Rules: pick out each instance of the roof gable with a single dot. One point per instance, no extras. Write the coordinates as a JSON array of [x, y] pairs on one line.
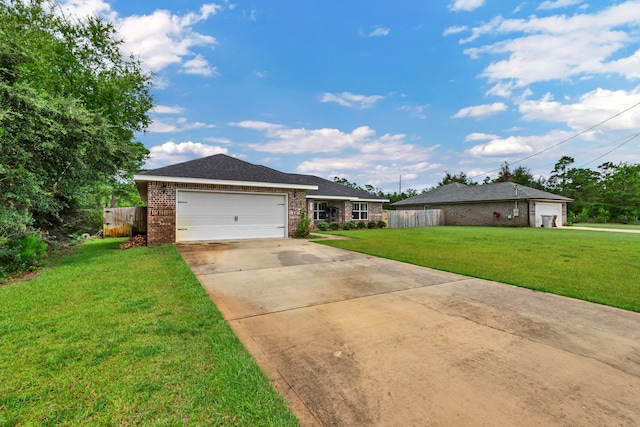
[[223, 168], [461, 193]]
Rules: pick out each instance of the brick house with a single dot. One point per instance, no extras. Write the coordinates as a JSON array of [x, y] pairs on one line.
[[502, 204], [221, 197]]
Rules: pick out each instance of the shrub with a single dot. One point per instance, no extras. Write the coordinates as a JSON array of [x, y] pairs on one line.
[[361, 225], [334, 225], [322, 225], [382, 224], [25, 252], [349, 225], [372, 224], [304, 225]]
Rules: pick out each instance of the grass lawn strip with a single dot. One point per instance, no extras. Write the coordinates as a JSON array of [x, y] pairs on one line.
[[588, 265], [608, 225], [111, 337]]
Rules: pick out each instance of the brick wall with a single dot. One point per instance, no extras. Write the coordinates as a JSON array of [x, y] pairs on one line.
[[161, 207], [482, 214], [375, 212]]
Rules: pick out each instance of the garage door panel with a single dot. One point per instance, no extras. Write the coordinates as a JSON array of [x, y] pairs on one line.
[[220, 216]]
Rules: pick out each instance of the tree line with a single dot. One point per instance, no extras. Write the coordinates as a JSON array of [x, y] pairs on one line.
[[609, 193], [70, 105]]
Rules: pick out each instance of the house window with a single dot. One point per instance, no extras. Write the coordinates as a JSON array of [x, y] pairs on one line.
[[359, 211], [319, 210]]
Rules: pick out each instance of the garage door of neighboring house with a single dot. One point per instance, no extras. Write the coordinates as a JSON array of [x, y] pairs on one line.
[[202, 215], [544, 208]]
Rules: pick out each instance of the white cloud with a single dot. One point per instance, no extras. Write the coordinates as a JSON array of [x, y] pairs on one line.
[[502, 89], [415, 111], [347, 99], [478, 136], [257, 125], [465, 5], [170, 152], [86, 8], [559, 46], [176, 125], [558, 4], [200, 66], [261, 74], [480, 111], [297, 141], [217, 140], [166, 109], [379, 32], [454, 30], [502, 147], [594, 107], [516, 145], [159, 39]]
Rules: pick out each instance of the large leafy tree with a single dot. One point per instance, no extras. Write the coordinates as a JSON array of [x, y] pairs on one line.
[[70, 105]]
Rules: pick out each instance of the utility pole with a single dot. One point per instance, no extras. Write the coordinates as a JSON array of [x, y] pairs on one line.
[[400, 185]]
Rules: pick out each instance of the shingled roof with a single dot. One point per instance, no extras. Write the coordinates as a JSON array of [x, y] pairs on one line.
[[461, 193], [221, 167], [330, 189]]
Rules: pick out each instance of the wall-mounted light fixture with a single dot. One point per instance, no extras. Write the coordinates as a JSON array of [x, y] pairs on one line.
[[164, 187], [295, 194]]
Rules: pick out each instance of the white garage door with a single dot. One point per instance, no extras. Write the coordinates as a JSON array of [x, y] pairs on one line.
[[220, 216], [549, 209]]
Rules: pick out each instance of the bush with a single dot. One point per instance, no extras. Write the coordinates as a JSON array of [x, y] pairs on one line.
[[322, 225], [349, 225], [334, 225], [20, 253], [382, 224], [361, 225], [372, 224], [304, 225]]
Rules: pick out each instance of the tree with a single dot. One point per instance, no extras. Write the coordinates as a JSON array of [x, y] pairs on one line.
[[461, 178], [559, 178], [505, 173], [70, 104], [620, 190]]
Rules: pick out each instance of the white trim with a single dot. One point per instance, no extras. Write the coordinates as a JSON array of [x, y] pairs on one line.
[[350, 199], [181, 180]]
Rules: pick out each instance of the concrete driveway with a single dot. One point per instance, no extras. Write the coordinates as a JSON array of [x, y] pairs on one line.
[[355, 340]]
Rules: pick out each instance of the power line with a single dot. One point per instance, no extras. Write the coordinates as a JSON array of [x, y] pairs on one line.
[[631, 138], [564, 140]]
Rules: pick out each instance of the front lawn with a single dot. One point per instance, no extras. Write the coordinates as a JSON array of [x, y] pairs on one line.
[[614, 225], [589, 265], [112, 337]]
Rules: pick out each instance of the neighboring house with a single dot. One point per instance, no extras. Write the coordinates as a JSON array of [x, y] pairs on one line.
[[501, 204], [221, 197]]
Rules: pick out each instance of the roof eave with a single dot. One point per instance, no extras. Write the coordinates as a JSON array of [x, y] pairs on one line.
[[351, 199], [182, 180]]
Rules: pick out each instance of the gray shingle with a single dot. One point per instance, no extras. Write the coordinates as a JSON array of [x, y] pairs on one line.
[[460, 193], [223, 167], [226, 168]]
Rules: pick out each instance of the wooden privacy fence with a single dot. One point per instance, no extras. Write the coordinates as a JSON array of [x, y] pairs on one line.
[[414, 219], [124, 222]]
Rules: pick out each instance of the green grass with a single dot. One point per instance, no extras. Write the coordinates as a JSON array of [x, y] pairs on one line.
[[589, 265], [608, 225], [110, 337]]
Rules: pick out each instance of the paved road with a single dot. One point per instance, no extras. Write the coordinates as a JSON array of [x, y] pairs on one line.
[[355, 340]]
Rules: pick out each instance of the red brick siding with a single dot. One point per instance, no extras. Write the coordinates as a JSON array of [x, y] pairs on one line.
[[161, 207]]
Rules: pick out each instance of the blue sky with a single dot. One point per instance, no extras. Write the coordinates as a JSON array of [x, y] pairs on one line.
[[375, 90]]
